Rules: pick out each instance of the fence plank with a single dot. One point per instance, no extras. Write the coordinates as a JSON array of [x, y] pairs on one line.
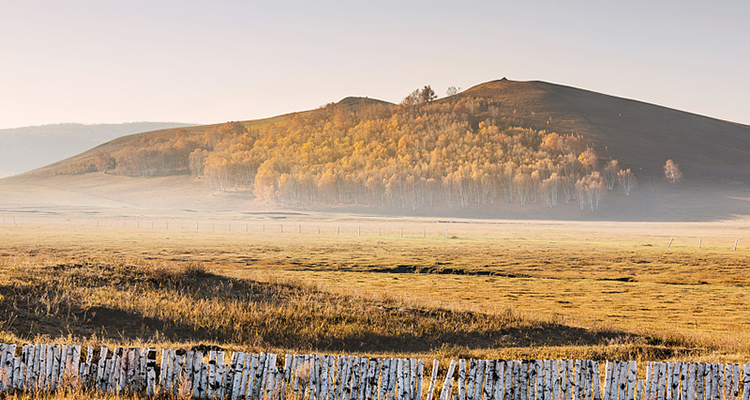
[[548, 379], [100, 368], [470, 377], [661, 390], [536, 379], [39, 367], [41, 373], [150, 371], [700, 379], [564, 380], [580, 389], [653, 390], [623, 380], [197, 370], [204, 381], [445, 394], [393, 377], [222, 370], [640, 395], [692, 381], [462, 379], [420, 379], [17, 372], [555, 379], [736, 379], [356, 372], [719, 377], [499, 379], [632, 378], [527, 375], [244, 375], [674, 381], [684, 381], [479, 379], [370, 379], [608, 370], [508, 382]]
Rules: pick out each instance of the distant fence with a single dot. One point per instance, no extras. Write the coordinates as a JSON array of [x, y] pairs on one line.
[[435, 230], [207, 375]]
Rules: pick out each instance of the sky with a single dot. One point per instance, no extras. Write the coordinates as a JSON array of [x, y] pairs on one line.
[[214, 61]]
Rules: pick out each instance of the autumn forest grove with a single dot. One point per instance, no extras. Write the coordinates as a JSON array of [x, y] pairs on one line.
[[420, 153]]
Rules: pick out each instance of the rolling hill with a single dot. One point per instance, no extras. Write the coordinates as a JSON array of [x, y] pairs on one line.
[[357, 146], [25, 149]]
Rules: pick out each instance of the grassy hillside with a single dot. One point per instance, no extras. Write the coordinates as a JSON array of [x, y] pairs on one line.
[[28, 148], [641, 135]]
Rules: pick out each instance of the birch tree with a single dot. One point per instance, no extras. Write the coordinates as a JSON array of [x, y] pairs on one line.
[[627, 180]]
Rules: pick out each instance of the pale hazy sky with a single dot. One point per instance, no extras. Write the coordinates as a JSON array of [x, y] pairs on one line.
[[213, 61]]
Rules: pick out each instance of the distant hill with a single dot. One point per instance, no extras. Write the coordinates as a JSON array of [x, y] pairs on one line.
[[499, 149], [28, 148]]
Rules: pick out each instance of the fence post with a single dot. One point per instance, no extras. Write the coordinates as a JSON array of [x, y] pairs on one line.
[[670, 243], [402, 231], [281, 228], [699, 242], [735, 243]]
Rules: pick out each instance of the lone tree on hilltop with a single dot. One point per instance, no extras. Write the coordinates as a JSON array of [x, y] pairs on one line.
[[425, 95], [428, 94], [672, 171]]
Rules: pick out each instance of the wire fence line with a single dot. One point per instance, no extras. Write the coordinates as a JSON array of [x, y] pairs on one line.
[[439, 229], [205, 373]]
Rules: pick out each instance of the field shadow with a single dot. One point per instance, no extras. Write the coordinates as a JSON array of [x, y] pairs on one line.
[[272, 314]]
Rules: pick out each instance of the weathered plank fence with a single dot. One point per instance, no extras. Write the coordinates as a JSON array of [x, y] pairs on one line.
[[211, 375]]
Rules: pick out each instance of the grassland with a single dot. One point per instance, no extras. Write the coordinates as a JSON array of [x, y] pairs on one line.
[[492, 288]]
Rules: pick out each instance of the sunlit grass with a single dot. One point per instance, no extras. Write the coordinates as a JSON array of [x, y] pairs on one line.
[[513, 291]]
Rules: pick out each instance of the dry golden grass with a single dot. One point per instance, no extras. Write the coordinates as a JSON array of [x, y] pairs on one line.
[[508, 290]]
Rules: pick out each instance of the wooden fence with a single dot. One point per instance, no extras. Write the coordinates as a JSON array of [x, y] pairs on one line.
[[207, 375]]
